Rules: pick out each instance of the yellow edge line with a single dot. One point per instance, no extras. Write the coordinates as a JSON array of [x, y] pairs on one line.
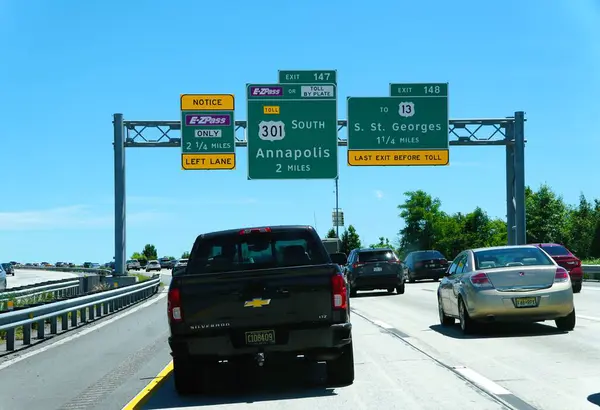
[[141, 397]]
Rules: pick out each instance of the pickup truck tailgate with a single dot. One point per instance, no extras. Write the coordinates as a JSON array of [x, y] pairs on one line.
[[267, 297]]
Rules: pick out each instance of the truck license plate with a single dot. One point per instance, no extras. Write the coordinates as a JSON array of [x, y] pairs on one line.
[[260, 337]]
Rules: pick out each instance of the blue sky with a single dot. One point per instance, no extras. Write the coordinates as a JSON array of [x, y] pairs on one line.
[[68, 66]]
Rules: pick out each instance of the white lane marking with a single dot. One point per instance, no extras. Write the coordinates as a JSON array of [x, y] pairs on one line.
[[592, 318], [586, 288], [382, 324], [481, 381], [84, 332]]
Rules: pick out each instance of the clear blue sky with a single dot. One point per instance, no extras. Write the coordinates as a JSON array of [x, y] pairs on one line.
[[68, 66]]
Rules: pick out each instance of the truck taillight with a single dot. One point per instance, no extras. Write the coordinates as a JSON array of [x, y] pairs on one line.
[[561, 275], [340, 293], [174, 306]]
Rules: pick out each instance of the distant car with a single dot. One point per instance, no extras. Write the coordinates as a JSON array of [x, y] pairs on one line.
[[505, 283], [180, 262], [430, 264], [9, 269], [166, 263], [153, 265], [374, 268], [2, 278], [87, 265], [567, 260], [133, 264]]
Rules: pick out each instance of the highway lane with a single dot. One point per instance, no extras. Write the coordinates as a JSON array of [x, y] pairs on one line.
[[25, 277], [389, 375], [103, 366], [99, 366], [546, 368]]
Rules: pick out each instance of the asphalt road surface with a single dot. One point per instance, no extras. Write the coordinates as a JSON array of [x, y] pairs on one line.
[[29, 277], [403, 360]]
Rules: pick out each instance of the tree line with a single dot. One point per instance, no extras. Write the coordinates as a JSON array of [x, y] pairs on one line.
[[549, 219], [150, 253]]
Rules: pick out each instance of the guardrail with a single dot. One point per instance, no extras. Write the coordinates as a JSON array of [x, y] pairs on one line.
[[72, 312], [52, 290], [96, 271], [591, 272]]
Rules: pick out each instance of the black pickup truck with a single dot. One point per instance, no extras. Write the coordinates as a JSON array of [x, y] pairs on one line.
[[259, 294]]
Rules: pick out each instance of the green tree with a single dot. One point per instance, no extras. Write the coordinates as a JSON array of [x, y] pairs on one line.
[[451, 240], [581, 228], [350, 240], [498, 232], [150, 252], [139, 257], [546, 216], [383, 243], [331, 234], [422, 215], [185, 255]]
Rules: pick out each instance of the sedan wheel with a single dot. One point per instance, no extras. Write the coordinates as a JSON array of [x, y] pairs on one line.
[[444, 320], [466, 323]]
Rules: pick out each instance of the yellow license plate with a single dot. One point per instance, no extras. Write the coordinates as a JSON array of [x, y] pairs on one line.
[[525, 302], [260, 337]]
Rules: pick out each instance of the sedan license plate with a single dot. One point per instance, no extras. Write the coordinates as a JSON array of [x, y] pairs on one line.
[[525, 302], [260, 337], [431, 265], [377, 269]]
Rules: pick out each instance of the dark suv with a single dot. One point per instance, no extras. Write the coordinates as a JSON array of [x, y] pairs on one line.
[[374, 268], [8, 267], [428, 264]]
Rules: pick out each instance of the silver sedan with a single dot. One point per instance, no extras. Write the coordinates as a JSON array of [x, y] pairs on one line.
[[503, 284]]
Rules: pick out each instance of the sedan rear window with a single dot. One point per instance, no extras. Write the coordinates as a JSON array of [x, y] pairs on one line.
[[376, 256], [556, 250], [425, 255], [507, 257]]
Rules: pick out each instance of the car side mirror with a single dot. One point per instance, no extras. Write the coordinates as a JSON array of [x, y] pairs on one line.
[[447, 273], [339, 257]]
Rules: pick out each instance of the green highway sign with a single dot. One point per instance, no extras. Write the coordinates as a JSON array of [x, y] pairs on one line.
[[292, 131], [411, 129], [207, 131], [308, 76], [419, 90]]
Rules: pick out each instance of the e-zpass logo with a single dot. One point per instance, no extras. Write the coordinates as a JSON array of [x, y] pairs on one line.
[[210, 120], [267, 91]]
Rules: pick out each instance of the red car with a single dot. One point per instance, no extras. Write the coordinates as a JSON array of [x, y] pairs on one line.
[[567, 260]]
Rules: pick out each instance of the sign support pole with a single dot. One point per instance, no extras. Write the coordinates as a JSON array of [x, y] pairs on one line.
[[120, 209]]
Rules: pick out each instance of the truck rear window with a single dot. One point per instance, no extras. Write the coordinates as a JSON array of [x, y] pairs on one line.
[[233, 252]]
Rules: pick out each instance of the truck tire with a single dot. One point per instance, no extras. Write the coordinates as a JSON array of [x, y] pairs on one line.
[[340, 372], [184, 377]]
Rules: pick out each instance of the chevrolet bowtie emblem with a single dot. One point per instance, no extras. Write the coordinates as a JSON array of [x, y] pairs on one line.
[[257, 303]]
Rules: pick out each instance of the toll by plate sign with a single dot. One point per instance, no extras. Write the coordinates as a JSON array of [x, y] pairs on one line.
[[410, 127], [207, 131], [292, 131]]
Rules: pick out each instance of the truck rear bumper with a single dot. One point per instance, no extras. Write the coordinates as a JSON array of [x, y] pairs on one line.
[[288, 341]]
